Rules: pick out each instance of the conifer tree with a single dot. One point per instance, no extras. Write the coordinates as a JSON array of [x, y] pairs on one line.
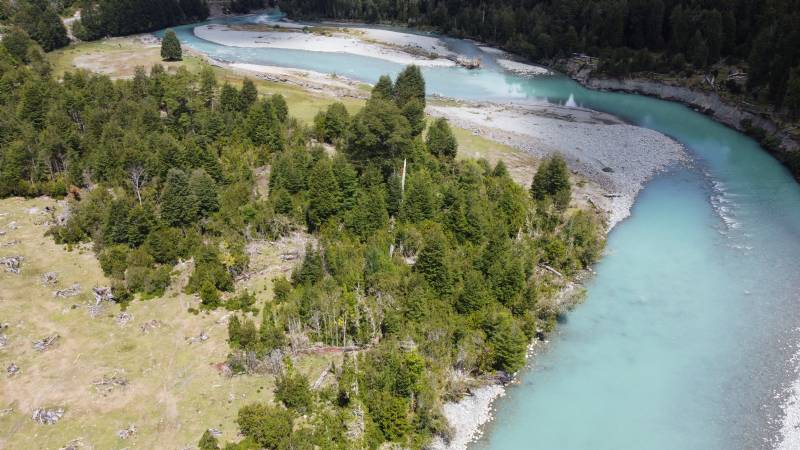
[[208, 442], [248, 94], [552, 181], [414, 112], [441, 141], [409, 85], [324, 195], [509, 344], [204, 189], [431, 263], [171, 47], [311, 270], [178, 204], [280, 107], [208, 85], [384, 88], [229, 99]]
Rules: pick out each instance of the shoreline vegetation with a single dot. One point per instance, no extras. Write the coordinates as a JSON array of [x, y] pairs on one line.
[[504, 128], [486, 394], [231, 167]]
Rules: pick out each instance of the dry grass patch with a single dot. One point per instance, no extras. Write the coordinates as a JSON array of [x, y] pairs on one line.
[[172, 392]]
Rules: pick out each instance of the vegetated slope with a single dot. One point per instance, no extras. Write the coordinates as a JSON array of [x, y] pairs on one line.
[[430, 271]]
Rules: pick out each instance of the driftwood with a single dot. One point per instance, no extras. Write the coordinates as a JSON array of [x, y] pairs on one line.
[[44, 416], [71, 291], [49, 278], [127, 432], [110, 382], [102, 294], [202, 337], [551, 270], [321, 379], [147, 327], [123, 318], [45, 343], [74, 444], [12, 263]]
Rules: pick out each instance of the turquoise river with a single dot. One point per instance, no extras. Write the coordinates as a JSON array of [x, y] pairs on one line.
[[687, 336]]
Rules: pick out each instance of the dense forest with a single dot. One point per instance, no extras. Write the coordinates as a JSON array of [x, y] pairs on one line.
[[104, 18], [630, 35], [427, 265]]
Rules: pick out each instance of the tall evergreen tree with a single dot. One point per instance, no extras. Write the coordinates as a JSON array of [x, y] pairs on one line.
[[552, 181], [324, 195], [441, 141], [178, 204], [409, 85], [171, 47], [248, 94], [204, 190]]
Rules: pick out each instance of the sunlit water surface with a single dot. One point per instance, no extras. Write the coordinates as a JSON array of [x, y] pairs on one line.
[[684, 337]]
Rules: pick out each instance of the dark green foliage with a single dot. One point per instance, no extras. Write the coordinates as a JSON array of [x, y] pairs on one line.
[[208, 442], [629, 35], [441, 141], [113, 260], [792, 101], [40, 21], [552, 182], [384, 88], [409, 86], [229, 99], [119, 18], [204, 189], [432, 263], [171, 47], [178, 203], [332, 125], [311, 271], [209, 296], [293, 391], [269, 427], [248, 95], [380, 132], [18, 44], [509, 343], [324, 194]]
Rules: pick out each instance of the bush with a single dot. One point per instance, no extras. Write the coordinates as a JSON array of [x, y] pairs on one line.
[[293, 391], [113, 260], [268, 426]]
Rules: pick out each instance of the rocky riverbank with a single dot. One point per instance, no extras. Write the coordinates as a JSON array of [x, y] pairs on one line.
[[741, 117]]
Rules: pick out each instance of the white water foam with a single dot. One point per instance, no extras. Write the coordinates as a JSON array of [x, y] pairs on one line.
[[723, 205], [790, 425]]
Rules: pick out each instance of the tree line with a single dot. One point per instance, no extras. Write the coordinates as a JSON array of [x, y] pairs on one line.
[[105, 18], [630, 35]]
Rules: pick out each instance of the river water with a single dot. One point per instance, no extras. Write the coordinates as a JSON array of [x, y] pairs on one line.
[[687, 335]]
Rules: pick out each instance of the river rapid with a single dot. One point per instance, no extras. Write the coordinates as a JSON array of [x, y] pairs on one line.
[[688, 334]]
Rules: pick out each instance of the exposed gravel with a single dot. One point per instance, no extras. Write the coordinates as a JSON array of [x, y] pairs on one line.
[[617, 156]]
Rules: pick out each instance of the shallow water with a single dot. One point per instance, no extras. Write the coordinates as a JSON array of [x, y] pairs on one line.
[[686, 334]]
